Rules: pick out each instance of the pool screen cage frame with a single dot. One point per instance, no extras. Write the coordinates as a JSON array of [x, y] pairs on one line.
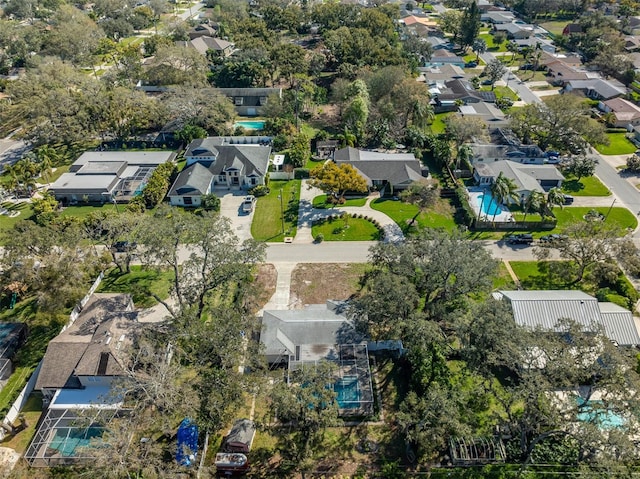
[[40, 454], [467, 451], [129, 186], [352, 361]]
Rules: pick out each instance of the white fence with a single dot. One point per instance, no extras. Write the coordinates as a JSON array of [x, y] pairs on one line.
[[19, 403], [280, 175]]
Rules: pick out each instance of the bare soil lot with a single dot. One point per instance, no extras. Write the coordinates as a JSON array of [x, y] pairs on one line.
[[315, 283]]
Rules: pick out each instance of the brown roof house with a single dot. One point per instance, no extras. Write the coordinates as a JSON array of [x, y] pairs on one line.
[[205, 43], [89, 353], [626, 114]]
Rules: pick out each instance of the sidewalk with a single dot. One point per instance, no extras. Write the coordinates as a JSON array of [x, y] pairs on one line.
[[307, 215]]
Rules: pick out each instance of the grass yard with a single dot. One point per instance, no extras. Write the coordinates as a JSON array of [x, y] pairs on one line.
[[501, 92], [7, 222], [555, 27], [320, 202], [438, 124], [311, 164], [53, 176], [139, 282], [267, 220], [31, 412], [491, 46], [347, 229], [85, 210], [621, 217], [441, 216], [618, 145], [503, 279], [588, 186]]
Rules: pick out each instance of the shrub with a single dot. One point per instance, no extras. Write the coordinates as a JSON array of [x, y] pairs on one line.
[[301, 173], [158, 185], [319, 238], [633, 163], [136, 205], [260, 190], [464, 213], [210, 202]]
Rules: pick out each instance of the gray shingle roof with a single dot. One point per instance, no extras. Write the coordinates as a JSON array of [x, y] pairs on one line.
[[396, 168], [543, 309], [317, 324], [525, 176], [193, 180]]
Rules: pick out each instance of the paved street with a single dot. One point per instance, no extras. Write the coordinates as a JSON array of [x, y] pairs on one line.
[[514, 82]]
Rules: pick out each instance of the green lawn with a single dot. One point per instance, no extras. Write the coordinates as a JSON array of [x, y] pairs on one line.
[[311, 164], [618, 145], [555, 27], [26, 212], [53, 176], [85, 210], [267, 219], [621, 217], [501, 92], [438, 125], [588, 186], [349, 229], [31, 412], [402, 212], [139, 282], [503, 279], [491, 46], [320, 202]]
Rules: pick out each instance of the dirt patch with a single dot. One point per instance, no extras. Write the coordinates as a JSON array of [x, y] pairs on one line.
[[315, 283], [265, 285]]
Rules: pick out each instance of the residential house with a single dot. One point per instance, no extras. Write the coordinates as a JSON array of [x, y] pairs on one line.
[[386, 172], [544, 309], [89, 353], [526, 177], [249, 101], [573, 61], [204, 44], [487, 153], [79, 378], [447, 96], [439, 74], [596, 89], [106, 176], [439, 43], [217, 162], [299, 338], [419, 25], [632, 43], [626, 114], [494, 117], [514, 31], [445, 57], [570, 28], [203, 30], [560, 73], [536, 43], [497, 17]]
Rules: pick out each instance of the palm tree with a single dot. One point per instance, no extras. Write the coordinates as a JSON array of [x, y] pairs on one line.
[[422, 113], [534, 203], [555, 197], [513, 48], [347, 138], [503, 189], [464, 154], [479, 46]]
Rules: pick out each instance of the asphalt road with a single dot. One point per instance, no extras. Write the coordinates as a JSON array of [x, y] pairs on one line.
[[514, 82], [358, 252]]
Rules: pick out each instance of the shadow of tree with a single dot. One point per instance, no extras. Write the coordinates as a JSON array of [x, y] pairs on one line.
[[572, 186]]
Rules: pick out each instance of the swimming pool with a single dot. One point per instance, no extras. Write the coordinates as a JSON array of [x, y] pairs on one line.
[[250, 124], [488, 204], [67, 439], [348, 392], [593, 411]]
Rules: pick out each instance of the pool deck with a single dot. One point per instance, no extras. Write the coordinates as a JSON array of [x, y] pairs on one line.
[[474, 193]]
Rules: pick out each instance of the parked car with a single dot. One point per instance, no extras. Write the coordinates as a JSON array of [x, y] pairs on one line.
[[471, 65], [520, 239], [568, 199], [123, 246], [248, 203]]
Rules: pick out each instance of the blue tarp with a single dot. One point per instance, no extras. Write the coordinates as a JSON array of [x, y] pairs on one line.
[[187, 442]]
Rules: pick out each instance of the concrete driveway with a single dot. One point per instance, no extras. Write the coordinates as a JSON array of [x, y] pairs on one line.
[[230, 206]]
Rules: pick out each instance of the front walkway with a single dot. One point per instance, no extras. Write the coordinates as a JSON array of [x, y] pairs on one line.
[[307, 215]]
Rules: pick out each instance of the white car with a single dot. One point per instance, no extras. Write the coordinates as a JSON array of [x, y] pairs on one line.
[[248, 204]]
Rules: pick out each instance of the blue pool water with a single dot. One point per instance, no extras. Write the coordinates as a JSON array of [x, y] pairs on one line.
[[489, 206], [348, 392], [604, 418], [67, 440], [250, 124]]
